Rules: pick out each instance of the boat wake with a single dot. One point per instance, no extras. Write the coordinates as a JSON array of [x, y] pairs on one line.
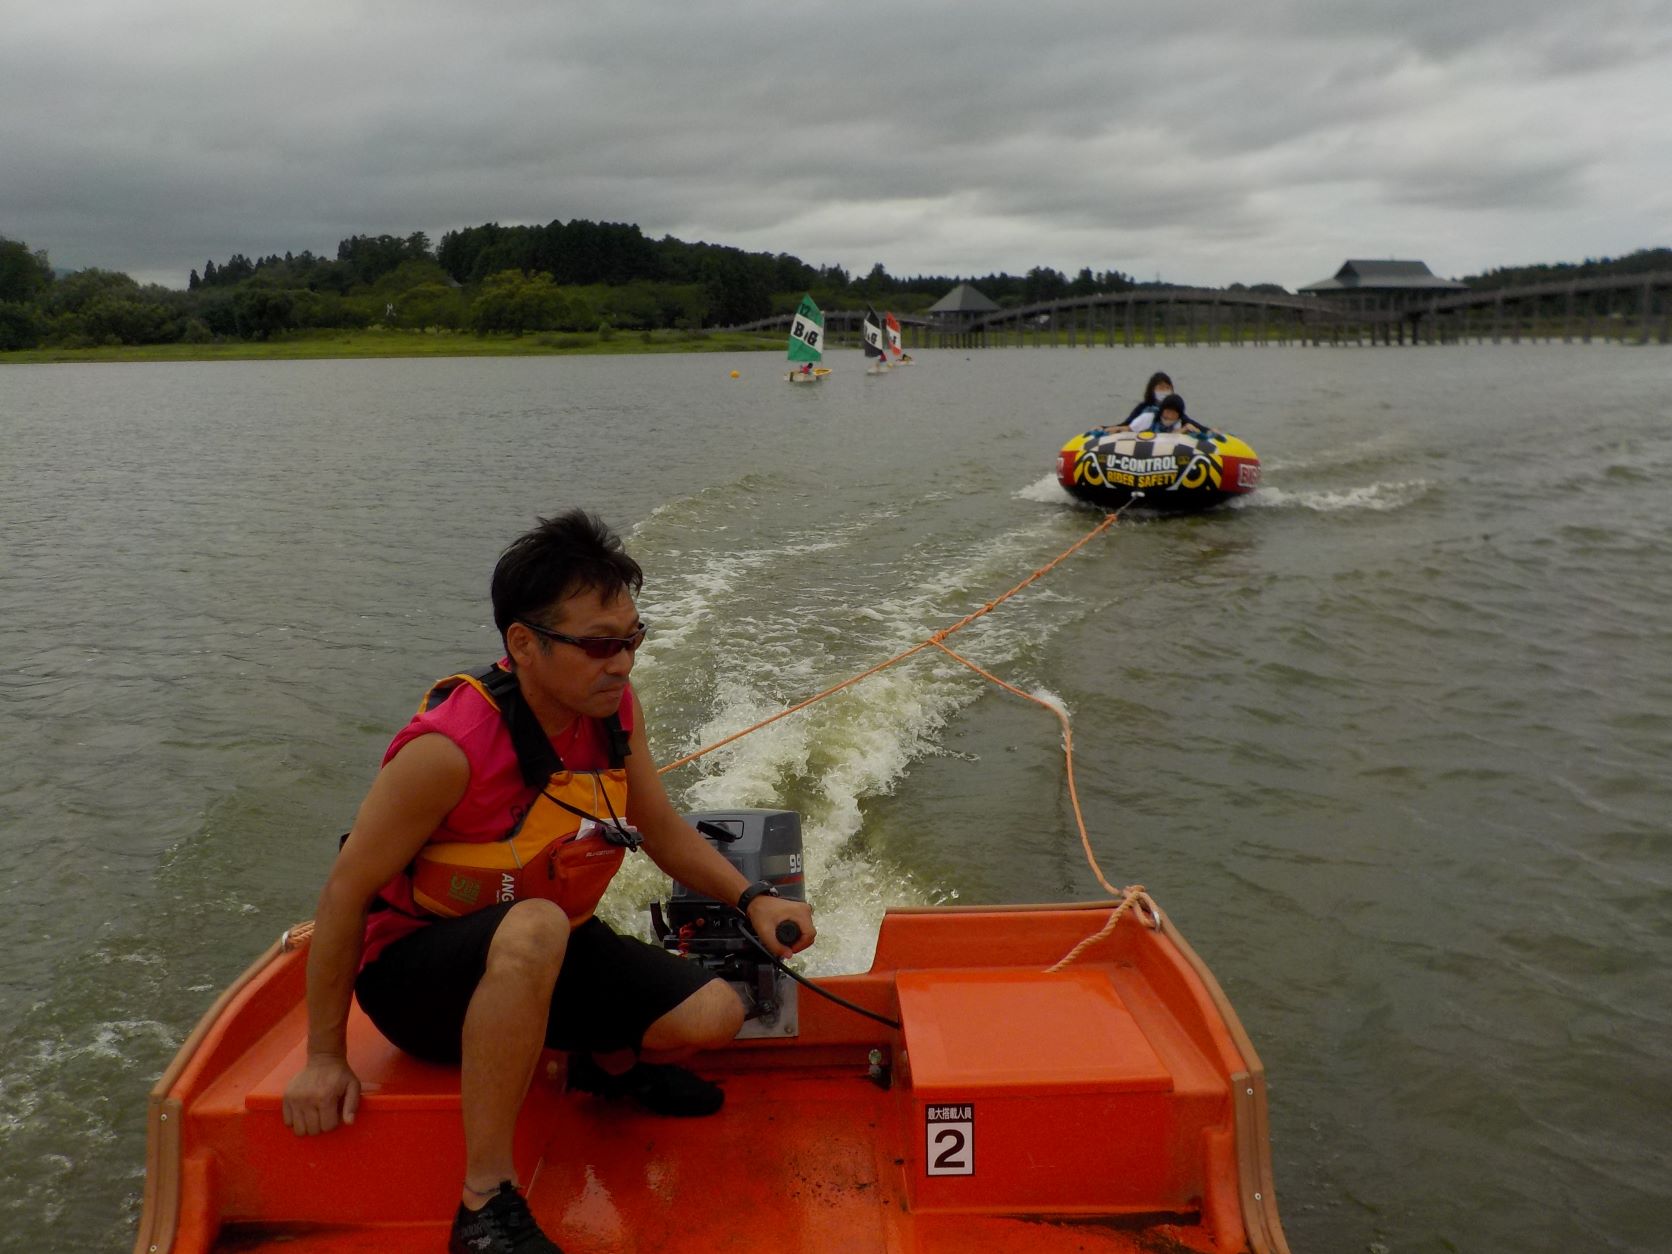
[[1374, 496], [741, 634], [1046, 490]]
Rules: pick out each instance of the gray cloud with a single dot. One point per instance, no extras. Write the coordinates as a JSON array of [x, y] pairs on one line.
[[1210, 145]]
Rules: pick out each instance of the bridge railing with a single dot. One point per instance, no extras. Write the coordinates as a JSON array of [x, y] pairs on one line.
[[1626, 308]]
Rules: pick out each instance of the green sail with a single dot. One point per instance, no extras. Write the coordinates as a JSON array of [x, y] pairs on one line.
[[807, 333]]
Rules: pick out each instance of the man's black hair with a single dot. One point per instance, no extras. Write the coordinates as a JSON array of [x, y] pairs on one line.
[[1173, 403], [570, 553]]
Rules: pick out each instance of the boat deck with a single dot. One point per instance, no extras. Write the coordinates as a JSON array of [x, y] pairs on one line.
[[1103, 1108]]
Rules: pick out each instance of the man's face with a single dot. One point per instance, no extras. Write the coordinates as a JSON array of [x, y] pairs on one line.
[[563, 673]]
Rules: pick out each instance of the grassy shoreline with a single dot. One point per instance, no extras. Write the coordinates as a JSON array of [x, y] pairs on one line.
[[385, 343]]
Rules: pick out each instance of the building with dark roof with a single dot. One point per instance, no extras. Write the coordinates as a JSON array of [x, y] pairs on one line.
[[960, 304], [1395, 281]]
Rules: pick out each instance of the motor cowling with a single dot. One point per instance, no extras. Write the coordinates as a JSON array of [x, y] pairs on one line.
[[762, 845]]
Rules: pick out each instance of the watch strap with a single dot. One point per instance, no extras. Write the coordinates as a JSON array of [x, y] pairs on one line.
[[754, 890]]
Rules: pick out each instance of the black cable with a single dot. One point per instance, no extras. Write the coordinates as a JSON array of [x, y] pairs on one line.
[[749, 934]]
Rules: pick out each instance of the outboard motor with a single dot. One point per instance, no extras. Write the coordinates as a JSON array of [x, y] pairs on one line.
[[763, 845]]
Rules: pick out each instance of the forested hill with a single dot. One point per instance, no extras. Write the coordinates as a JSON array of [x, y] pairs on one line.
[[1643, 261], [735, 285], [597, 277]]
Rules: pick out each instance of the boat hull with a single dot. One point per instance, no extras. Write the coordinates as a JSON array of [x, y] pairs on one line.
[[818, 375], [1157, 471], [1114, 1106]]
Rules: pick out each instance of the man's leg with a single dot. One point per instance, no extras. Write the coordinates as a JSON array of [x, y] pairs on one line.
[[707, 1019], [627, 1006], [504, 1031]]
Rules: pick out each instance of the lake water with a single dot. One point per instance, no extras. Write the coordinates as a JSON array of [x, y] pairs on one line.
[[1390, 741]]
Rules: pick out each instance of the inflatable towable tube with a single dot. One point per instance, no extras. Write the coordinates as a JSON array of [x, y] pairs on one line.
[[1174, 472]]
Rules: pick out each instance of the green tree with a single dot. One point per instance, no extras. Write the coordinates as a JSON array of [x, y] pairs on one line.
[[430, 305], [320, 309], [510, 301], [633, 307], [108, 319], [72, 294], [876, 284], [262, 311], [1043, 283], [414, 272], [24, 275], [20, 326], [369, 257]]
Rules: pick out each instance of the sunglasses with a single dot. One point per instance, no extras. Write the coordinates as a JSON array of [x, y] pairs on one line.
[[599, 647]]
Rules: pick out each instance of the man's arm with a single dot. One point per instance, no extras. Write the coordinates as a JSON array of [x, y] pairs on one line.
[[407, 801], [680, 850]]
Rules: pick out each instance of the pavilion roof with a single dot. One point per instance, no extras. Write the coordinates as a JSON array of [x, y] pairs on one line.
[[1360, 275], [963, 299]]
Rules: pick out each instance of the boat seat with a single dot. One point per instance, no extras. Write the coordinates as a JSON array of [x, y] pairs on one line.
[[389, 1078], [403, 1101], [1019, 1080]]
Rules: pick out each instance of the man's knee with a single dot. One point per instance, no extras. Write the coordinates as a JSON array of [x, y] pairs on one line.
[[531, 937], [708, 1018]]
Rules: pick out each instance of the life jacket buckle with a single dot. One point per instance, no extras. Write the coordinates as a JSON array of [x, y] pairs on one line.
[[614, 832]]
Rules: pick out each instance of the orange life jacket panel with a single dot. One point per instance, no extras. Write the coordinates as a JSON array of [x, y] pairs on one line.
[[566, 847]]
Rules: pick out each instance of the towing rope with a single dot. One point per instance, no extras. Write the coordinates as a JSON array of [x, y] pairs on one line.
[[1132, 894]]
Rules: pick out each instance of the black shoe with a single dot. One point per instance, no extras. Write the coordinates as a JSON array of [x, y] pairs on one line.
[[662, 1089], [503, 1226]]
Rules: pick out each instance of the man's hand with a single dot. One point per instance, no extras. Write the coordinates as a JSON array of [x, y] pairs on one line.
[[766, 912], [312, 1100]]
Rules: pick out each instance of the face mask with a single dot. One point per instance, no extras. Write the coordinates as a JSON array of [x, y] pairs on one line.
[[1161, 394]]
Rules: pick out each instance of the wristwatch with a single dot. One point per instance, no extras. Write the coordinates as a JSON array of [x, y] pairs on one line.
[[755, 890]]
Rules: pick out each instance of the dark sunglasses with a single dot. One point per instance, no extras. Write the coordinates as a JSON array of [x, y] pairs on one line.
[[593, 646]]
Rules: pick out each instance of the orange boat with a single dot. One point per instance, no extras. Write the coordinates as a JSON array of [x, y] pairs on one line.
[[1114, 1104]]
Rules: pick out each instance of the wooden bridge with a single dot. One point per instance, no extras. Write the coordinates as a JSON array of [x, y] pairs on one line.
[[1630, 309], [837, 323]]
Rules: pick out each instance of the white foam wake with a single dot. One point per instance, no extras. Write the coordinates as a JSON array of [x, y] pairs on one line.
[[1373, 496], [1046, 490], [826, 761]]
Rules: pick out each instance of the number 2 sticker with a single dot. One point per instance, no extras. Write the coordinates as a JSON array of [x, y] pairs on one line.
[[950, 1145]]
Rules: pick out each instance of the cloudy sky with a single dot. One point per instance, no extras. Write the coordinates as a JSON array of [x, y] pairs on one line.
[[1201, 143]]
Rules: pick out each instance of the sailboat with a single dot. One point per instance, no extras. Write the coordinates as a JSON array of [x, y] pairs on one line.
[[806, 347], [896, 350], [876, 356]]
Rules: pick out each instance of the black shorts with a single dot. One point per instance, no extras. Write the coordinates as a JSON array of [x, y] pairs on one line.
[[610, 990]]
